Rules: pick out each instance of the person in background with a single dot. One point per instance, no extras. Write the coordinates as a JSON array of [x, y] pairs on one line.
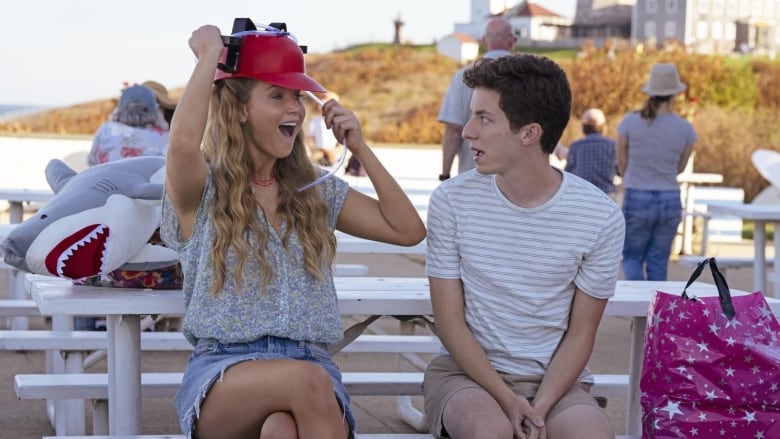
[[166, 103], [593, 157], [517, 288], [136, 128], [558, 156], [653, 147], [256, 251], [499, 40], [323, 145]]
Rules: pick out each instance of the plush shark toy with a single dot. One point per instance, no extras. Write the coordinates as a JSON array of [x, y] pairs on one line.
[[99, 220]]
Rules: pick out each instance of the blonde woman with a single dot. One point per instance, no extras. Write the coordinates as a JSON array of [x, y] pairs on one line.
[[256, 251], [653, 147]]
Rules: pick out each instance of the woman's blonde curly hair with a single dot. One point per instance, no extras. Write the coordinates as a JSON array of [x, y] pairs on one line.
[[235, 213]]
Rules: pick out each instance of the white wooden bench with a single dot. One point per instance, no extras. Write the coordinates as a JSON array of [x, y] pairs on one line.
[[724, 262], [94, 386], [175, 341], [18, 307]]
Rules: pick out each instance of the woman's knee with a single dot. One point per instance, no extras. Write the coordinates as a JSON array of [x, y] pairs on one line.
[[279, 425], [313, 387]]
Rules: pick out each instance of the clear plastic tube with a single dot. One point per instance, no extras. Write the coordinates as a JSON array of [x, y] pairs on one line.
[[341, 160]]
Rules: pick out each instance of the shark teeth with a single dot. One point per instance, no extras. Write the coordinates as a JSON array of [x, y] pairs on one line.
[[93, 235]]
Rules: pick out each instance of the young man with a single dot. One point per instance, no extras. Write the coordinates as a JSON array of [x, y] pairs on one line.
[[521, 260]]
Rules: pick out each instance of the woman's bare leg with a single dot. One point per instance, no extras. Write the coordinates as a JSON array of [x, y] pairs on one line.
[[279, 425], [238, 405]]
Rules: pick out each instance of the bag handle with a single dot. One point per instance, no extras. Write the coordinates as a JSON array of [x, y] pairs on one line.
[[720, 282]]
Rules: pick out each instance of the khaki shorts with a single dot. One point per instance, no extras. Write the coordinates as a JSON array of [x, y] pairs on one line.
[[444, 378]]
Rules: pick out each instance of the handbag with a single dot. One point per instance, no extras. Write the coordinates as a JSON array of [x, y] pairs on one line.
[[711, 366]]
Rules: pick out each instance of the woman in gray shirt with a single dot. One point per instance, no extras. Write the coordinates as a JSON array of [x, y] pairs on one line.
[[653, 147]]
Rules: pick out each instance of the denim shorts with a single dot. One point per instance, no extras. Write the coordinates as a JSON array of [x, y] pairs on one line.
[[211, 358]]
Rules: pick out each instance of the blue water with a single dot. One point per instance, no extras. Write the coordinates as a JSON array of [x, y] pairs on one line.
[[13, 111]]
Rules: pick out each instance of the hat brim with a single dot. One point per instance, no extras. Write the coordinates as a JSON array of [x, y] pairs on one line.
[[293, 81], [664, 92], [166, 102]]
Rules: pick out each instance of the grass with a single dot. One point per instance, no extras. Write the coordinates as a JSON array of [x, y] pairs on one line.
[[747, 230]]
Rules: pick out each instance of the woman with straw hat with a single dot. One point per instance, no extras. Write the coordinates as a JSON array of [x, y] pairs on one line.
[[653, 147], [166, 103]]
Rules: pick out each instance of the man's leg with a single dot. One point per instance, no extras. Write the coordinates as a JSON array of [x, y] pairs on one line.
[[473, 413], [581, 421]]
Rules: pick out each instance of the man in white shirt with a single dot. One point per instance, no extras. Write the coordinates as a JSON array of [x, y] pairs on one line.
[[521, 260], [499, 40]]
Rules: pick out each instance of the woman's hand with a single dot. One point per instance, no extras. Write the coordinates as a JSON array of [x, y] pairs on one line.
[[345, 126], [206, 40]]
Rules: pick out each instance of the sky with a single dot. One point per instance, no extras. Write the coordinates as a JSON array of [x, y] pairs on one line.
[[62, 52]]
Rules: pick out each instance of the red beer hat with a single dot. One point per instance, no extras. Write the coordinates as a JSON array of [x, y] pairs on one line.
[[272, 57]]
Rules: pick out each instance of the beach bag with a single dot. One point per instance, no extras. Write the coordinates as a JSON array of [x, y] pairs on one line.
[[711, 365]]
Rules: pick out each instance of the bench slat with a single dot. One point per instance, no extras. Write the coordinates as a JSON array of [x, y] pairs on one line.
[[165, 384], [17, 308], [724, 262], [175, 341]]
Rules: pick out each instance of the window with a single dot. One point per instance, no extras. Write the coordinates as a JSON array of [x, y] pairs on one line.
[[717, 8], [702, 30], [744, 9], [704, 6], [670, 29], [649, 29], [671, 6], [651, 7], [717, 31], [730, 31]]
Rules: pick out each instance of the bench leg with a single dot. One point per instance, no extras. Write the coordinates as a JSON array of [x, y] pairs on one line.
[[633, 408], [16, 291], [408, 412], [69, 414], [100, 417]]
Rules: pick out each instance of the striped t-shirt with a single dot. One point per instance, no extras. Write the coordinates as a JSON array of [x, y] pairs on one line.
[[519, 266]]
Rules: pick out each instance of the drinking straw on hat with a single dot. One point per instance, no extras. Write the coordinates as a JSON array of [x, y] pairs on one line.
[[343, 151]]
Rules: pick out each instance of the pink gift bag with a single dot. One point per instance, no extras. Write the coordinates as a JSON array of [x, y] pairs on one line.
[[711, 366]]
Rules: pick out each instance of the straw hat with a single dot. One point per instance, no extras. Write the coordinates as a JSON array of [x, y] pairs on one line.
[[163, 99], [664, 81]]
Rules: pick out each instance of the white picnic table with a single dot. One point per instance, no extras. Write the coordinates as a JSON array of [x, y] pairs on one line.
[[357, 296], [688, 181], [760, 214], [16, 197]]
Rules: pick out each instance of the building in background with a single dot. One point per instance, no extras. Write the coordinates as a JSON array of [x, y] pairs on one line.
[[461, 47], [600, 20], [702, 26], [709, 26], [534, 25]]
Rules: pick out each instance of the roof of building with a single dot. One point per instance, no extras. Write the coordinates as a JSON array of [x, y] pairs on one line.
[[529, 9], [464, 38]]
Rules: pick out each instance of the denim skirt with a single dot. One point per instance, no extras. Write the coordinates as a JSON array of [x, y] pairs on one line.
[[210, 359]]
